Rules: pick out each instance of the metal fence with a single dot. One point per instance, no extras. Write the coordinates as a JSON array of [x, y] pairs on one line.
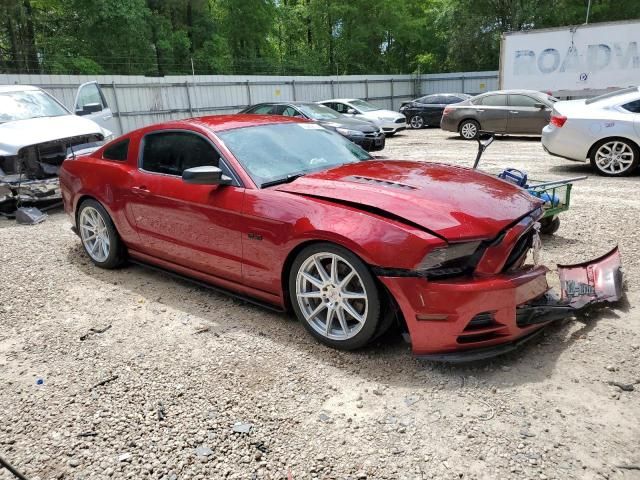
[[137, 101]]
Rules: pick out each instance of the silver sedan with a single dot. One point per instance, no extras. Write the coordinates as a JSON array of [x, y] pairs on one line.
[[604, 130]]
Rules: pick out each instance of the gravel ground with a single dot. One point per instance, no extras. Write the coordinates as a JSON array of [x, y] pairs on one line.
[[189, 384]]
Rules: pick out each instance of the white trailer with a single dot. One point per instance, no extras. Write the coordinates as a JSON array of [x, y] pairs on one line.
[[580, 60]]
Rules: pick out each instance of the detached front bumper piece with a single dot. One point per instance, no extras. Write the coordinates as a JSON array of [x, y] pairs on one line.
[[481, 317]]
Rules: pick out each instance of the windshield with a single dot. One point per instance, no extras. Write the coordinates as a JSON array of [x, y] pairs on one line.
[[364, 106], [624, 91], [318, 112], [270, 153], [28, 104]]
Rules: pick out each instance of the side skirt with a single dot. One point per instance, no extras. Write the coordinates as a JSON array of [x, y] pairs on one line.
[[273, 306]]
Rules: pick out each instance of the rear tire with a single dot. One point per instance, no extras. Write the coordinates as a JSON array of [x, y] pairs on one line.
[[469, 129], [615, 157], [335, 296], [99, 236], [416, 122]]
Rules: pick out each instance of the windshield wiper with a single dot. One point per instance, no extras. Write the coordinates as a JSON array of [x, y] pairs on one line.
[[287, 179]]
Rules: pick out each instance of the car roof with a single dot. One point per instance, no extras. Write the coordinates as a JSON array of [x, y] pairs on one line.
[[220, 123], [285, 102], [340, 100], [17, 88], [514, 91]]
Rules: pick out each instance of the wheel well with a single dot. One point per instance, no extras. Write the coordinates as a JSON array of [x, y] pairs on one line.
[[593, 147], [464, 120], [286, 268], [77, 209]]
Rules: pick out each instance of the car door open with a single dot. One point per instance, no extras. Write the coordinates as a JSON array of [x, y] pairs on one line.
[[91, 103]]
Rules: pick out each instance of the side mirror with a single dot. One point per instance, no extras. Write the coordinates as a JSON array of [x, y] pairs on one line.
[[89, 108], [351, 111], [541, 106], [205, 175]]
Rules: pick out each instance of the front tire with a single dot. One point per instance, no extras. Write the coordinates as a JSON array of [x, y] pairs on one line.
[[615, 157], [469, 129], [99, 236], [335, 296], [416, 122]]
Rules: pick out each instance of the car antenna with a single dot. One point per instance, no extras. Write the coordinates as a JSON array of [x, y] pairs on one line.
[[488, 138]]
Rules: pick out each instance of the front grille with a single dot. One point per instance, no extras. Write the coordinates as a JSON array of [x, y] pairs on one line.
[[372, 134], [519, 251], [401, 120], [483, 327]]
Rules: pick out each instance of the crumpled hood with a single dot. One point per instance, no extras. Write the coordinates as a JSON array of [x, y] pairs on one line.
[[454, 202], [23, 133]]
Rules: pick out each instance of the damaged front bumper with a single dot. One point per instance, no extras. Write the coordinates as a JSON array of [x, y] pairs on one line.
[[38, 184], [28, 192], [472, 319]]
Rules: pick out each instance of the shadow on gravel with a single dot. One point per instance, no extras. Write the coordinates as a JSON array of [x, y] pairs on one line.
[[500, 138], [388, 360], [579, 168]]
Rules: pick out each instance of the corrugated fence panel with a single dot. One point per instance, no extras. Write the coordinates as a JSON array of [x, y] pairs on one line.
[[137, 101]]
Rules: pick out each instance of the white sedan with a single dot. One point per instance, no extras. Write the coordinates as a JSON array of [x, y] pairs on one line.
[[389, 121], [604, 130]]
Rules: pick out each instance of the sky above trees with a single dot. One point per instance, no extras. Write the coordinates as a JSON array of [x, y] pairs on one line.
[[295, 37]]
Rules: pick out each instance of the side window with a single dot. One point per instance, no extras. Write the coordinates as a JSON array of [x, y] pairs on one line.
[[173, 152], [89, 99], [450, 99], [494, 100], [262, 110], [633, 107], [429, 99], [341, 107], [522, 101], [118, 151], [290, 112]]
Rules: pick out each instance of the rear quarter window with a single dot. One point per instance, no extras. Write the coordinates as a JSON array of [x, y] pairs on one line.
[[633, 107], [118, 151]]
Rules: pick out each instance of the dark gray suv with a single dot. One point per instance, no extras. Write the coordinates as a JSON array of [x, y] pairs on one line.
[[520, 112]]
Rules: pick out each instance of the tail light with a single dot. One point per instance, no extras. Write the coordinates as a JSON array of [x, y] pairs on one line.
[[447, 110], [558, 120]]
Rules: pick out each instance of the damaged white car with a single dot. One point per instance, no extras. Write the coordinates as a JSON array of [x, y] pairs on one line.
[[37, 133]]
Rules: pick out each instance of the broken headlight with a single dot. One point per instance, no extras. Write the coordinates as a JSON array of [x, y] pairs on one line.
[[454, 259]]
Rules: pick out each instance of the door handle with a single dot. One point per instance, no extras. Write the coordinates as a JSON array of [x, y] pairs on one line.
[[141, 190], [514, 111], [479, 110]]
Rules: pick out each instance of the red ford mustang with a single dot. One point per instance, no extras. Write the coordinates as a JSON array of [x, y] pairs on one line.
[[296, 217]]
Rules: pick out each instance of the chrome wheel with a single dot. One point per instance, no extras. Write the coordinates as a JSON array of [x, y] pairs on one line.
[[94, 234], [469, 130], [416, 122], [614, 157], [331, 296]]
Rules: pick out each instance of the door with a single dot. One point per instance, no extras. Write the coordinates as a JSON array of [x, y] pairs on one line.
[[435, 107], [196, 226], [92, 104], [526, 115], [492, 113], [634, 109]]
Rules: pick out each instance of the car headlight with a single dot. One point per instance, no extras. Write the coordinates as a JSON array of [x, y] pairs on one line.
[[454, 259], [109, 137], [349, 133]]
